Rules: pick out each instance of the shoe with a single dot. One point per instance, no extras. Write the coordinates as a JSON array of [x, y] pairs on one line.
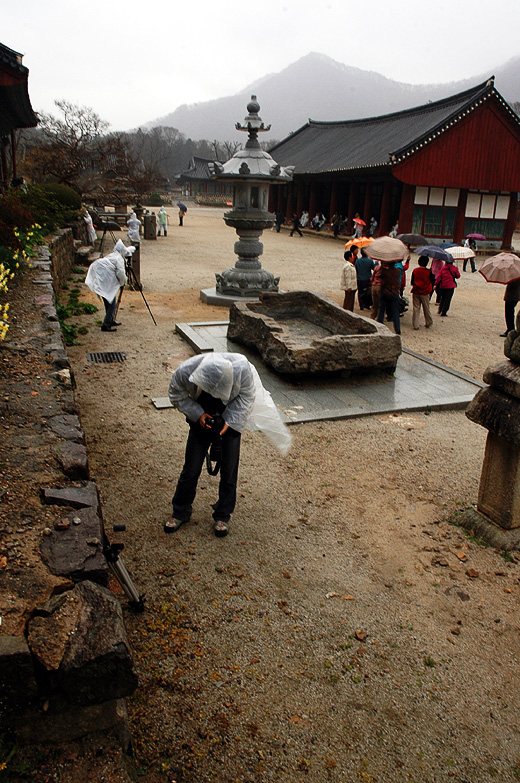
[[115, 323], [220, 528], [108, 329], [173, 524], [504, 334], [416, 328]]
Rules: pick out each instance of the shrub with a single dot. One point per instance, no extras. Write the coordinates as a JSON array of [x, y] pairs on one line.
[[153, 200]]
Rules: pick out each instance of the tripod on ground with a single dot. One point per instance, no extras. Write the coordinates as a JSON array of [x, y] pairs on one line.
[[118, 569], [135, 285], [110, 227]]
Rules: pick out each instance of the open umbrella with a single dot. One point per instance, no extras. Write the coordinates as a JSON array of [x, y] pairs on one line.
[[412, 239], [388, 249], [460, 252], [182, 206], [502, 268], [361, 222], [361, 242], [475, 236], [447, 245], [433, 251]]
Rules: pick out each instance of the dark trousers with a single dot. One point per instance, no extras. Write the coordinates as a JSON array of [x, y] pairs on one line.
[[295, 228], [110, 311], [197, 446], [465, 263], [364, 296], [510, 315], [446, 297], [389, 304]]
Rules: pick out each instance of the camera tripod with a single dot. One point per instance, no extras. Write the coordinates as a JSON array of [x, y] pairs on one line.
[[118, 569], [135, 285]]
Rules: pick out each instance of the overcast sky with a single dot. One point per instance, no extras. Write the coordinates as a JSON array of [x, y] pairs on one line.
[[135, 61]]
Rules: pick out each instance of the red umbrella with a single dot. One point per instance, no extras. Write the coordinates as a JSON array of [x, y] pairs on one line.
[[361, 222], [475, 236]]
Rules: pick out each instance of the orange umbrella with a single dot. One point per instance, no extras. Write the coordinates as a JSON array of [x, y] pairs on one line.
[[361, 242]]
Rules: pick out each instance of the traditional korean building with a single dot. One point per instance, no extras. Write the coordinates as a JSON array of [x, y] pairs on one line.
[[15, 109], [198, 184], [443, 170]]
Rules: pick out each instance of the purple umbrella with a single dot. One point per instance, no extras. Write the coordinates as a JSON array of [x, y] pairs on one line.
[[475, 236]]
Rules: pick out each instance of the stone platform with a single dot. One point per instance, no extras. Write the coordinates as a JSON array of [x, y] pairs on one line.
[[418, 384]]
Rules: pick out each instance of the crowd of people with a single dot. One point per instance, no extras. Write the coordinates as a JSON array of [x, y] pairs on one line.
[[380, 286]]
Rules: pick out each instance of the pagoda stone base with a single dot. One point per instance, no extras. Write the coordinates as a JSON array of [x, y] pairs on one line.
[[482, 527]]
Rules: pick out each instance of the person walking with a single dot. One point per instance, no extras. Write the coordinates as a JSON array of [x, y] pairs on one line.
[[182, 213], [349, 281], [390, 288], [375, 290], [295, 225], [446, 284], [422, 287], [162, 222], [278, 220], [364, 266]]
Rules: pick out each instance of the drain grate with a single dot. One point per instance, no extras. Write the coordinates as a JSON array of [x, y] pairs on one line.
[[107, 357]]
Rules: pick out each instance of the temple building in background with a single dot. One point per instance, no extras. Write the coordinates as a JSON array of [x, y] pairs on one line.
[[443, 170], [15, 111]]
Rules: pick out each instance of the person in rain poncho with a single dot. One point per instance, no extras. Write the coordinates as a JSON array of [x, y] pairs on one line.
[[105, 277], [162, 222], [226, 385], [134, 224], [91, 231]]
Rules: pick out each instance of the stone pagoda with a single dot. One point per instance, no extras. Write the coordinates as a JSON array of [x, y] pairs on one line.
[[251, 170]]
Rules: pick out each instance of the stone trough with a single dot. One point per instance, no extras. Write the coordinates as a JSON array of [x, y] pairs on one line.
[[302, 332]]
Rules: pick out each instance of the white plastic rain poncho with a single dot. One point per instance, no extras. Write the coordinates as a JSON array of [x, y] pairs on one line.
[[91, 231], [106, 275], [133, 224], [232, 379]]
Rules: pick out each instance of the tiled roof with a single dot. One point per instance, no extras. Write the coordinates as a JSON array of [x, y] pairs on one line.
[[377, 141], [15, 106], [198, 169]]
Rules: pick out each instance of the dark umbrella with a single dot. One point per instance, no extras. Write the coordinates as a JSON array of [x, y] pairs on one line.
[[182, 206], [412, 239], [446, 245], [475, 236], [433, 251]]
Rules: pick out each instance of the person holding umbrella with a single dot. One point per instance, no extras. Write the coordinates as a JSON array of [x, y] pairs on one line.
[[504, 268], [182, 211], [446, 282]]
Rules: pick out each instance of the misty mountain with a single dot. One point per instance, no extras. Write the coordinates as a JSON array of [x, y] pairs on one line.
[[318, 87]]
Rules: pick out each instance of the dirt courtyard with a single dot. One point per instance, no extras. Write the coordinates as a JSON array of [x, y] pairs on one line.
[[345, 630]]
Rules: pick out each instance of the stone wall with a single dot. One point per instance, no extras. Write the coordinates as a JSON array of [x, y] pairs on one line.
[[65, 661]]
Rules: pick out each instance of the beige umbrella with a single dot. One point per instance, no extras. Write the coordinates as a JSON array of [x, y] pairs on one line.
[[459, 253], [502, 268], [388, 249]]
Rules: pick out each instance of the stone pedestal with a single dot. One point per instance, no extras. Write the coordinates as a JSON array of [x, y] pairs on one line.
[[497, 408], [150, 227]]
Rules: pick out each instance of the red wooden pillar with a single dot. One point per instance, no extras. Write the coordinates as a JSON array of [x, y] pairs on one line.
[[333, 206], [367, 207], [300, 197], [351, 206], [384, 222], [279, 205], [510, 222], [313, 200], [406, 209], [273, 198], [289, 212], [460, 217], [13, 155]]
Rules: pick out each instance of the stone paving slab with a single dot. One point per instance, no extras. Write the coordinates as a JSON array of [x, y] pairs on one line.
[[418, 384]]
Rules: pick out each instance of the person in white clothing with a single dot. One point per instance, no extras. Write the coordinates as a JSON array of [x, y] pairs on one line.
[[105, 277]]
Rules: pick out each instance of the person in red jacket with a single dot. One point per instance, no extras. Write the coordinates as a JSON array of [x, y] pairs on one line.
[[422, 287], [446, 281]]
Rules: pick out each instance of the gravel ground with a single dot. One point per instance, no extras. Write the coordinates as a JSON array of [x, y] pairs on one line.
[[346, 629]]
